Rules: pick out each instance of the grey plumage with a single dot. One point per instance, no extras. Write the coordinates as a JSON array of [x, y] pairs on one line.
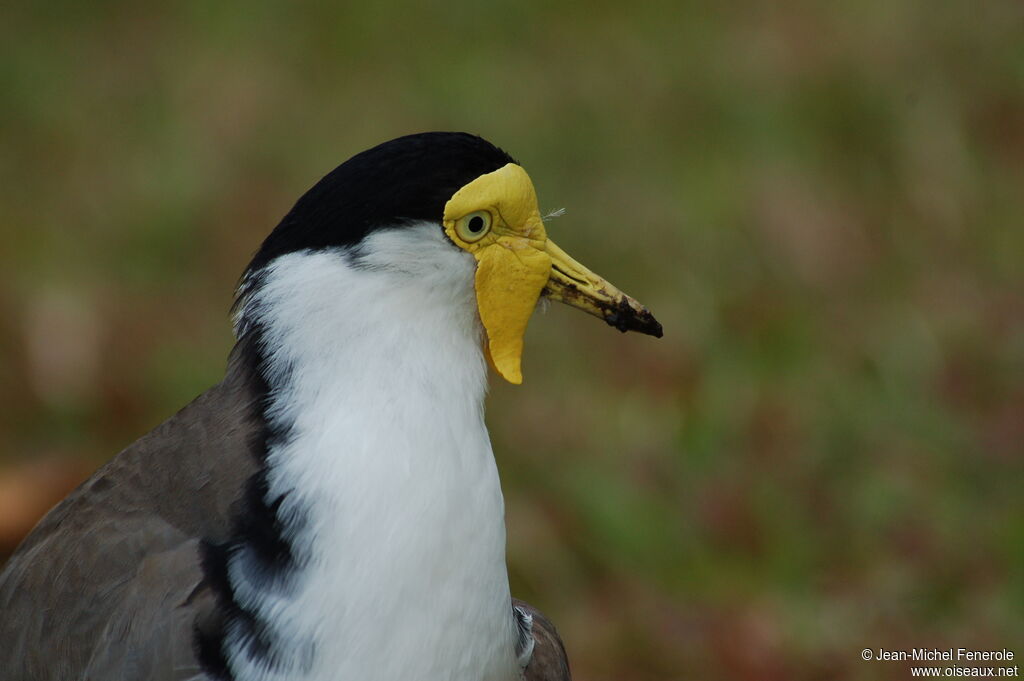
[[109, 584], [549, 661]]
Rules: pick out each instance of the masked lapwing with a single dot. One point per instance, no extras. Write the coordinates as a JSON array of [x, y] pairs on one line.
[[332, 508]]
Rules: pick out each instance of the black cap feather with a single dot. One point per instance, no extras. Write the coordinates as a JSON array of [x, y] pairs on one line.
[[409, 178]]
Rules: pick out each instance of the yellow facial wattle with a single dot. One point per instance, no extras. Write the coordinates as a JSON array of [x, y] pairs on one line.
[[495, 217]]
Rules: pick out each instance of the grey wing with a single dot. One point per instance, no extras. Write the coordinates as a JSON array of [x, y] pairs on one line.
[[548, 661], [149, 633], [109, 584], [107, 606]]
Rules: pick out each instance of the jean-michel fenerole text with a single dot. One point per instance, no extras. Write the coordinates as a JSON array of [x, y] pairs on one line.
[[935, 654]]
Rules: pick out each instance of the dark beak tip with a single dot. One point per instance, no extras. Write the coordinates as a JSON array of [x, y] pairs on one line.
[[650, 326], [628, 318]]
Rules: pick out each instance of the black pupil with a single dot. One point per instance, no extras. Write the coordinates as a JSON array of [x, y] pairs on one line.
[[476, 223]]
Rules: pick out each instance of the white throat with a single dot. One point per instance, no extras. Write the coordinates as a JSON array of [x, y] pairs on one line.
[[377, 377]]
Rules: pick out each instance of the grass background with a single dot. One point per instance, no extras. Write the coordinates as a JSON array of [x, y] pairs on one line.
[[823, 203]]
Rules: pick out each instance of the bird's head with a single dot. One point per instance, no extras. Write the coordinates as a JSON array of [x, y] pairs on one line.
[[486, 205]]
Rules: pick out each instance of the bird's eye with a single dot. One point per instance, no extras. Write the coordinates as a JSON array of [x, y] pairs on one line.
[[473, 226]]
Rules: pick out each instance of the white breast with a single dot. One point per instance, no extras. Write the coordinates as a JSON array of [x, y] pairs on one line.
[[377, 368]]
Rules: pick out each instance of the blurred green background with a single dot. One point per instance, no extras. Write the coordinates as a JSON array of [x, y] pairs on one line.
[[822, 202]]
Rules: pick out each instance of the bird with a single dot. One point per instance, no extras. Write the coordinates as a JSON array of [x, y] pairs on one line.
[[331, 509]]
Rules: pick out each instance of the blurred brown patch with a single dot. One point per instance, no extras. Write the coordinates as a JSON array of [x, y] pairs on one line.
[[818, 236], [29, 490], [748, 644]]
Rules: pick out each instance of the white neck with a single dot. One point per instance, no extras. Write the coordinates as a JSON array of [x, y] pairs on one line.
[[377, 377]]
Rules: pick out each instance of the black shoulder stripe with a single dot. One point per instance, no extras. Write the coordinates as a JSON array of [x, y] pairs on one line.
[[258, 552]]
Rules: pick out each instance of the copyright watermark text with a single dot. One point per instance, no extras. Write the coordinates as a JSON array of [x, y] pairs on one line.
[[965, 661]]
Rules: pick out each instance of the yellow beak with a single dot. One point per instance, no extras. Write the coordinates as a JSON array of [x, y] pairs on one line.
[[573, 284]]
